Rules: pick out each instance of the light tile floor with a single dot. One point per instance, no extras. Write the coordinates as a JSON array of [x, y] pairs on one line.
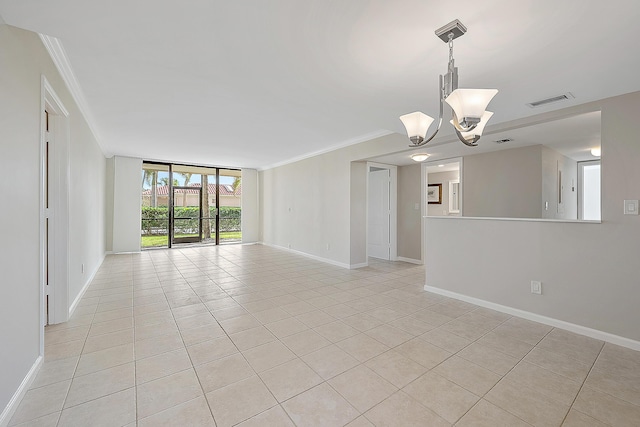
[[255, 336]]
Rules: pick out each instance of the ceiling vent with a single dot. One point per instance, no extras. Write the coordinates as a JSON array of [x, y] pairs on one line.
[[552, 100], [503, 140]]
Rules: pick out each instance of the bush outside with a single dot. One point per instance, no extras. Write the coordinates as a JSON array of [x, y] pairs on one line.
[[155, 220]]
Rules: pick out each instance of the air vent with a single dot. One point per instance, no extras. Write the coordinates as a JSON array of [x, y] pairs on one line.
[[553, 99], [503, 140]]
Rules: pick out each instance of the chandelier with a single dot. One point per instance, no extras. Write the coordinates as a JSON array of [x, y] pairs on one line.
[[468, 105]]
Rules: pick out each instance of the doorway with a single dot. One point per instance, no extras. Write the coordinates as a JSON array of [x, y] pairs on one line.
[[186, 221], [54, 209], [443, 187], [382, 211]]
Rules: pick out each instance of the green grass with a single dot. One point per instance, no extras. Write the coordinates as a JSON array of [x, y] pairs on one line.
[[157, 241]]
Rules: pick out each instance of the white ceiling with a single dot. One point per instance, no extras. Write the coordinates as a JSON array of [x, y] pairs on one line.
[[254, 83]]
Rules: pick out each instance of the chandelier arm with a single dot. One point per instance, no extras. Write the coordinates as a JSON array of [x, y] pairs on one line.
[[471, 143], [426, 140]]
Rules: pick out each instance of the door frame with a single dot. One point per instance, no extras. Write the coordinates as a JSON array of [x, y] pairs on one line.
[[172, 218], [58, 211], [393, 208]]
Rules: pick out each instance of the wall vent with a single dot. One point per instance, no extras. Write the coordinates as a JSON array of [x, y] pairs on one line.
[[503, 140], [553, 99]]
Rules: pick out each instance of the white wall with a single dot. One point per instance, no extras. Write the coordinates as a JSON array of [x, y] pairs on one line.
[[23, 60], [307, 204], [409, 218], [358, 227], [250, 207], [109, 182], [504, 183], [589, 272], [127, 195]]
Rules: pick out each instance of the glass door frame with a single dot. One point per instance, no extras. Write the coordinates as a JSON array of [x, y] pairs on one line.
[[172, 217], [170, 224]]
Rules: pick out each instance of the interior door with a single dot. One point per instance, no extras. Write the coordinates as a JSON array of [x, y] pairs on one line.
[[379, 214], [186, 226]]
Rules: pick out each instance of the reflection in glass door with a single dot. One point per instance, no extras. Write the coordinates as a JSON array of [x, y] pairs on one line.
[[186, 224]]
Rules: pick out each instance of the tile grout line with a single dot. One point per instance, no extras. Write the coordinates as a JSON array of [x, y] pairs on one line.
[[583, 384], [507, 373]]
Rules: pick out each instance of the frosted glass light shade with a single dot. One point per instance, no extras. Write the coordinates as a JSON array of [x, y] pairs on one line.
[[596, 152], [479, 127], [420, 157], [470, 102], [417, 124]]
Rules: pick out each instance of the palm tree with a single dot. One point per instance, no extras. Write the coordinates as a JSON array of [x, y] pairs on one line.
[[151, 177], [187, 178], [165, 181], [236, 184]]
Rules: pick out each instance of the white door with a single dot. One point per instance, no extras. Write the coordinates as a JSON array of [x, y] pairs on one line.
[[379, 210]]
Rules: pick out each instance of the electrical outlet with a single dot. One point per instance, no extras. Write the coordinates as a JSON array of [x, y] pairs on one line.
[[328, 246], [536, 287], [82, 268]]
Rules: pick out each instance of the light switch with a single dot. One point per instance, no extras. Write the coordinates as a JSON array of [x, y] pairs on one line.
[[631, 207], [416, 206]]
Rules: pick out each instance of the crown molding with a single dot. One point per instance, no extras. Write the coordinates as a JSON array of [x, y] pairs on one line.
[[348, 142], [62, 63]]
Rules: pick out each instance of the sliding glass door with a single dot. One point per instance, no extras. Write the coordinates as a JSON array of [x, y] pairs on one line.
[[190, 204]]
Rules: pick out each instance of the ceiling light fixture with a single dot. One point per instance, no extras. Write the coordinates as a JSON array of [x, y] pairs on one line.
[[420, 157], [468, 105], [596, 152]]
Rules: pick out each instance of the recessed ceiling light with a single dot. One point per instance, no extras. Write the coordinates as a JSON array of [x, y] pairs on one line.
[[420, 157], [440, 166]]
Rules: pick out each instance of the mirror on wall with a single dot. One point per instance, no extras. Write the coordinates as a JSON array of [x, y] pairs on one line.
[[548, 171]]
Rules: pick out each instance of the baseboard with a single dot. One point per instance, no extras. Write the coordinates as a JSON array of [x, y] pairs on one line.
[[13, 404], [306, 255], [362, 264], [73, 305], [571, 327], [410, 260]]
